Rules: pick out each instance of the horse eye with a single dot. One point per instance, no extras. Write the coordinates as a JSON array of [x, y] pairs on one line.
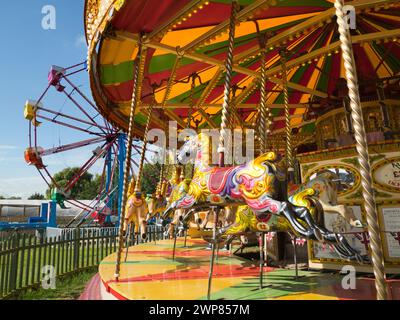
[[187, 154]]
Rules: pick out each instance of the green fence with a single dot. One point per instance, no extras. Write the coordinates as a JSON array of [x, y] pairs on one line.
[[23, 256]]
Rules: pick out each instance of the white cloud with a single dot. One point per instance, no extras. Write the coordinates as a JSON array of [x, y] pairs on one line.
[[22, 187], [80, 41], [7, 147]]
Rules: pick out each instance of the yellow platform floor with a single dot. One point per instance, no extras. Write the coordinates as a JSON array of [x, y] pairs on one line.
[[150, 274]]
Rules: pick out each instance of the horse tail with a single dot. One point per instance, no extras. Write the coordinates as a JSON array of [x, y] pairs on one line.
[[308, 198], [318, 212]]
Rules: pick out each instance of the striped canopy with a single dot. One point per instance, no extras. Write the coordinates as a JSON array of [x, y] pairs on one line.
[[184, 37]]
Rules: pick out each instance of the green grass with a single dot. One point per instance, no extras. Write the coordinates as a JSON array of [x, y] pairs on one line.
[[69, 288], [29, 271]]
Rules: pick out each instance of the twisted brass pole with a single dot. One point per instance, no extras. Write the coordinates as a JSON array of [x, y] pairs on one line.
[[362, 149], [288, 131], [190, 117], [160, 183], [264, 110], [228, 84], [144, 147], [128, 163]]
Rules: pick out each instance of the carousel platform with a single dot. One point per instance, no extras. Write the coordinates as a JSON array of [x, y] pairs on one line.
[[150, 274]]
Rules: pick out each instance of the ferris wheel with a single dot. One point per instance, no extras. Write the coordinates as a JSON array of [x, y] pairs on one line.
[[93, 142]]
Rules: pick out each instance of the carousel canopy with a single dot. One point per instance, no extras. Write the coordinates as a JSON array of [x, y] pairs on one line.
[[187, 40]]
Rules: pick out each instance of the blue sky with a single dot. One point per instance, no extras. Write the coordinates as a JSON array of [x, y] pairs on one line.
[[27, 52]]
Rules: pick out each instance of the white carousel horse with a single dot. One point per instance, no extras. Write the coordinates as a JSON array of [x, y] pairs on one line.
[[325, 183], [257, 184]]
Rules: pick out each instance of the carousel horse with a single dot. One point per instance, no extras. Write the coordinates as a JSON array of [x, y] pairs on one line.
[[260, 185], [177, 187], [136, 211], [182, 217], [157, 203], [326, 186]]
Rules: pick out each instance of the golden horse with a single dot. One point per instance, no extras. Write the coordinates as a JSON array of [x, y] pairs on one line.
[[137, 211]]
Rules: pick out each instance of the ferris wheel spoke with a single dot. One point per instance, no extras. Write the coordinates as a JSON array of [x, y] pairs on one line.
[[74, 72], [63, 115], [83, 63], [93, 122], [81, 94], [44, 178], [68, 125], [71, 146], [80, 204], [139, 152], [88, 165]]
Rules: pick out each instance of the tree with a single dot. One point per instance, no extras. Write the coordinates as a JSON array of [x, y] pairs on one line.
[[36, 196], [150, 178], [10, 198], [87, 187]]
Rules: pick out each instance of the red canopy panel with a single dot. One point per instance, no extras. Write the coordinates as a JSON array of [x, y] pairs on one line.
[[145, 15]]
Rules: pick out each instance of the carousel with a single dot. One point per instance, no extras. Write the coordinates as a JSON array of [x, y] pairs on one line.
[[314, 84]]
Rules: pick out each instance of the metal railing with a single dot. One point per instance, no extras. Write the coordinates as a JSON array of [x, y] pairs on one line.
[[25, 258]]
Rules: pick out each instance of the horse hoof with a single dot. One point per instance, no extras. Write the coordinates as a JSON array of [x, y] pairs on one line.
[[363, 259], [164, 223], [357, 224], [318, 235]]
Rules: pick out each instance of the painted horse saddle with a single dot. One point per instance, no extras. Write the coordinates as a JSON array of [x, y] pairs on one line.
[[218, 179]]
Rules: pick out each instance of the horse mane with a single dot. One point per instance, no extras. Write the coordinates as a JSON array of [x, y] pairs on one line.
[[132, 185], [328, 174]]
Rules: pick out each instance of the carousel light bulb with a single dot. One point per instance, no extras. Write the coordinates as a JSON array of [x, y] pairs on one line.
[[207, 3]]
